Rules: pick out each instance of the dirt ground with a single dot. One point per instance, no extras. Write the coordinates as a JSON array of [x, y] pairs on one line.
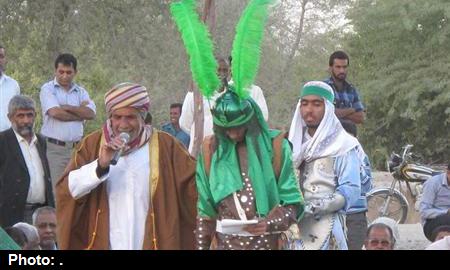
[[411, 233]]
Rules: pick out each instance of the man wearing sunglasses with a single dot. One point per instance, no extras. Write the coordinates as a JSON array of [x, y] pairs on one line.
[[379, 237], [65, 107]]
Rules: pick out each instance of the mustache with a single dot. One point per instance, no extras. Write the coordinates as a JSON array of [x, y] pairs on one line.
[[312, 126], [25, 130]]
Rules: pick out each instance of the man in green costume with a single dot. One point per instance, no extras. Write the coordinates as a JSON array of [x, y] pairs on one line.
[[244, 176], [248, 193]]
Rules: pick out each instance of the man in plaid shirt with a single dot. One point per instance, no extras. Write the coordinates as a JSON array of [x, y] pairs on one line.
[[347, 102]]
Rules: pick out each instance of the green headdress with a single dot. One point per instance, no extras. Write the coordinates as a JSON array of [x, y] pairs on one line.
[[232, 109], [245, 53]]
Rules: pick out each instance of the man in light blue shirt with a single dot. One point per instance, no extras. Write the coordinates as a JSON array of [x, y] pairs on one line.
[[8, 89], [65, 108], [435, 204]]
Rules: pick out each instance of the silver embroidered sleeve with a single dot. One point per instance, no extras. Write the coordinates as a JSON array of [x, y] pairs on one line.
[[204, 232], [330, 204], [280, 218]]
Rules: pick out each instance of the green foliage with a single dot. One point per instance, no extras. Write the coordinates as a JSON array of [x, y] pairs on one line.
[[114, 41], [400, 57]]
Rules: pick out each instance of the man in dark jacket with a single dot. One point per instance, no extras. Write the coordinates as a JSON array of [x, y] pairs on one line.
[[24, 173]]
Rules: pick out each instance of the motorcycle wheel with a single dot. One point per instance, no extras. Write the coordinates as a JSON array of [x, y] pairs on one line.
[[397, 208]]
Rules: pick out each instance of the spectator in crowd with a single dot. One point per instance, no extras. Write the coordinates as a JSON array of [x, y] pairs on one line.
[[379, 237], [65, 108], [435, 203], [8, 89], [25, 183], [442, 244], [173, 127], [31, 234], [44, 219], [392, 224], [348, 105], [440, 232]]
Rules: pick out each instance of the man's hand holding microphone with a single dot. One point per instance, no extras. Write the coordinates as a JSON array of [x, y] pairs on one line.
[[111, 152]]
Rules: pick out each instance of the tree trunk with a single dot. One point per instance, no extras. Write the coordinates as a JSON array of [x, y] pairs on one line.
[[55, 42], [209, 17], [294, 48]]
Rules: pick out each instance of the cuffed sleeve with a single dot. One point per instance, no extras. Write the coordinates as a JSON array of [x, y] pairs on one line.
[[281, 217], [83, 180], [347, 168], [204, 233]]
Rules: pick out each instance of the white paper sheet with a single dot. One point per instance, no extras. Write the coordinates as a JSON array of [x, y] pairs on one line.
[[234, 226]]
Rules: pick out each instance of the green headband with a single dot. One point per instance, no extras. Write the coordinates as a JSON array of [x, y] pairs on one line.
[[317, 91]]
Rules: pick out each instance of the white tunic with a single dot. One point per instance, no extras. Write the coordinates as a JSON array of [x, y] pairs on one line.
[[8, 89], [128, 189]]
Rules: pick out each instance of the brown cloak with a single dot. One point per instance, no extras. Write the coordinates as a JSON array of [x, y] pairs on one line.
[[84, 223]]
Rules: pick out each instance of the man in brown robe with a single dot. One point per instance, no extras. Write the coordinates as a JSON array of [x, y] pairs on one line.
[[146, 201]]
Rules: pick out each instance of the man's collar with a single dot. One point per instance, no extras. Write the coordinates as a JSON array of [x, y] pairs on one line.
[[21, 139], [73, 87], [331, 81]]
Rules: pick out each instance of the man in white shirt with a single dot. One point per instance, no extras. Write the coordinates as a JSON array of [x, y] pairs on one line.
[[8, 88], [65, 108], [187, 122], [24, 172]]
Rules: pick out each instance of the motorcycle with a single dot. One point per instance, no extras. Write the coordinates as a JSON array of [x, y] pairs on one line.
[[390, 202]]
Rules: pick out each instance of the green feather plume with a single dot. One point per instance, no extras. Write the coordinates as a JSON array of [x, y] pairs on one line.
[[198, 45], [247, 45]]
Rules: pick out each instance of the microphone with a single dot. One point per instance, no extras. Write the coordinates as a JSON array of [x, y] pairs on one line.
[[125, 137]]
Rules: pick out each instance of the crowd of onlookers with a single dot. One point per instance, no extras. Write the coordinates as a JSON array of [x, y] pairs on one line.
[[31, 163], [39, 235]]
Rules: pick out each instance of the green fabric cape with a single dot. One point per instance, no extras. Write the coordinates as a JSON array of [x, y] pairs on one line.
[[6, 242], [225, 175]]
